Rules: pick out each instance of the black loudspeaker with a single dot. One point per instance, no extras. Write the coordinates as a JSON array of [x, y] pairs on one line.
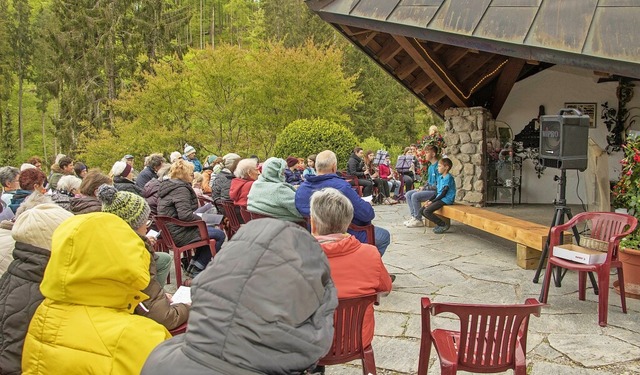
[[564, 140]]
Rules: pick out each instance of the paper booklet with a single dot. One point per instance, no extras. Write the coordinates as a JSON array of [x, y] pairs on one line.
[[182, 295]]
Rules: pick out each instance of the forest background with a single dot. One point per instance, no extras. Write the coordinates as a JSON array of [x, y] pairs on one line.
[[97, 79]]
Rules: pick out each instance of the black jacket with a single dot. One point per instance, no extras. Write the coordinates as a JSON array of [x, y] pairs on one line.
[[19, 298], [145, 176], [355, 166], [178, 200], [123, 184]]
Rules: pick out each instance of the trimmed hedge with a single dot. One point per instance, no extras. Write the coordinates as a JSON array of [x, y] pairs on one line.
[[304, 137]]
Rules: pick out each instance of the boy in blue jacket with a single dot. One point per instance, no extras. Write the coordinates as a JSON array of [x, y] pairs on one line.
[[446, 194]]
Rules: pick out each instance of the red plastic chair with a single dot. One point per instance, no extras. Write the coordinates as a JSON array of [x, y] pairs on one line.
[[232, 216], [203, 200], [491, 338], [353, 181], [245, 214], [371, 233], [179, 329], [162, 222], [605, 226], [347, 335]]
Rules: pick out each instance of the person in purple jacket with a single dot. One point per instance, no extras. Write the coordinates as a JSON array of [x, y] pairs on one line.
[[326, 167]]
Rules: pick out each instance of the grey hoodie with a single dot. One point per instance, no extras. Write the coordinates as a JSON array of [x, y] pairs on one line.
[[264, 306]]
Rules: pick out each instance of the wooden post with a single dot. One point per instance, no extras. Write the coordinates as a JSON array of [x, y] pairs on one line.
[[527, 257]]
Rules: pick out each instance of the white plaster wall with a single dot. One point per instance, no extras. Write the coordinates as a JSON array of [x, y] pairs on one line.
[[552, 88]]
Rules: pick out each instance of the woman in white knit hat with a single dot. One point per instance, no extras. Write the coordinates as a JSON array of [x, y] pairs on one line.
[[190, 156], [122, 174], [20, 285]]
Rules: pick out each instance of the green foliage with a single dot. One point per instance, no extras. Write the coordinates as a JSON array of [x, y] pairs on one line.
[[373, 144], [9, 142], [223, 100], [304, 137], [626, 192], [394, 152]]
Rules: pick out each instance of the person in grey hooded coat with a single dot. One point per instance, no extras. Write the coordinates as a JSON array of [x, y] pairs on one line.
[[264, 306]]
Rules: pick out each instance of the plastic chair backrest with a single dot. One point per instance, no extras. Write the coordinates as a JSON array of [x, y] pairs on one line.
[[163, 223], [607, 226], [369, 229], [347, 336], [231, 215], [488, 333], [246, 215]]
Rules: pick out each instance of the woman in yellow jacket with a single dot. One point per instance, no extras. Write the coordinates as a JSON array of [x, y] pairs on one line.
[[91, 286]]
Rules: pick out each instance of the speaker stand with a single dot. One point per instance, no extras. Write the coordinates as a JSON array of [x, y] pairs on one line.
[[561, 210]]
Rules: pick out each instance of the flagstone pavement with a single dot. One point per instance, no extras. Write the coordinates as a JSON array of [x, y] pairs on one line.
[[467, 265]]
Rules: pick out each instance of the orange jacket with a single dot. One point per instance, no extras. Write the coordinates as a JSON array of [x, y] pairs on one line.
[[356, 270]]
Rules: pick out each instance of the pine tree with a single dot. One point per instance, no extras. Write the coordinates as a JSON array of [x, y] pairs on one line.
[[9, 151], [21, 43]]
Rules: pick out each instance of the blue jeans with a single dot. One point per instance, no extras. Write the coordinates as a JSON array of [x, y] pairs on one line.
[[415, 197], [203, 254], [383, 239]]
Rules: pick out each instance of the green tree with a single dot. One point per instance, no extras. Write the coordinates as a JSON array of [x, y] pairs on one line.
[[21, 43], [305, 137], [9, 151], [292, 23], [6, 56]]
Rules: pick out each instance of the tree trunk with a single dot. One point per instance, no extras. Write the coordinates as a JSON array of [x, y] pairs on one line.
[[20, 130], [213, 26], [44, 138]]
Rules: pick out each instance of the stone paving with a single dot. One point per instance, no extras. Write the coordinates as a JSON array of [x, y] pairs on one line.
[[467, 265]]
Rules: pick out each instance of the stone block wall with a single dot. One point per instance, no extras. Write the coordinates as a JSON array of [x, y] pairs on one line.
[[465, 140]]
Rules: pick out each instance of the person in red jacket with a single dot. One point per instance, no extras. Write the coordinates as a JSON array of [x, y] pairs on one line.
[[356, 268], [246, 173]]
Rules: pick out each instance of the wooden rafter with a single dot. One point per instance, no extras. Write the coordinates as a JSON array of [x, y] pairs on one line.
[[427, 60], [407, 66], [389, 50], [421, 82], [508, 77], [454, 57], [364, 39]]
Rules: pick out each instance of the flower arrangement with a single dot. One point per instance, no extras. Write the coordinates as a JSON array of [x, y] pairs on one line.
[[433, 138], [627, 190]]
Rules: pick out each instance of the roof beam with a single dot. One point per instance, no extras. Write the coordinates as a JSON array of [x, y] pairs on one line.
[[427, 60], [389, 50], [407, 66], [508, 77], [366, 38], [421, 82]]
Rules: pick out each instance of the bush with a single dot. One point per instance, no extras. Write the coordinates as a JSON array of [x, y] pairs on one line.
[[373, 144], [303, 137]]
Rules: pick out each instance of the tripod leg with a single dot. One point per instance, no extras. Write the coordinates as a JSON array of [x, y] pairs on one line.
[[545, 252]]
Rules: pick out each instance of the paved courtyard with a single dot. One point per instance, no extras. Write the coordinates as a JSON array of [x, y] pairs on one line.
[[467, 265]]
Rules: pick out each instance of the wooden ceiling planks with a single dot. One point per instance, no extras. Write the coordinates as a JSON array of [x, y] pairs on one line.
[[508, 77]]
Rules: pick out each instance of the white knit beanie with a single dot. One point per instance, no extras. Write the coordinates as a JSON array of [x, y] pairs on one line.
[[35, 226], [175, 156], [26, 166], [118, 168], [188, 149]]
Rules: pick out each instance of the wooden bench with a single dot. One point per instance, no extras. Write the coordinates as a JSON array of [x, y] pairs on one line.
[[529, 237]]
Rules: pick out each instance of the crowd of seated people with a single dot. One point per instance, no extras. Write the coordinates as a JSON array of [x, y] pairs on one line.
[[79, 262]]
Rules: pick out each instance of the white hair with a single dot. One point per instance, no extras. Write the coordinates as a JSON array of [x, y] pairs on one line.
[[331, 211], [68, 183]]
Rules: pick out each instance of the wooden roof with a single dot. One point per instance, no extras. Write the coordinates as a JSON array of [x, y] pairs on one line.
[[467, 53]]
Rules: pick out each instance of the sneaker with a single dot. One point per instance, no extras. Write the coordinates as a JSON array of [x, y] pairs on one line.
[[415, 223], [441, 229]]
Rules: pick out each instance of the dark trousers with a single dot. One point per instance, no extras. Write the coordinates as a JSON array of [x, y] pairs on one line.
[[383, 187], [427, 212], [367, 186]]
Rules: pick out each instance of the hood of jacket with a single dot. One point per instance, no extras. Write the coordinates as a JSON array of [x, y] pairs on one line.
[[97, 260], [168, 186], [264, 305], [85, 205], [273, 170]]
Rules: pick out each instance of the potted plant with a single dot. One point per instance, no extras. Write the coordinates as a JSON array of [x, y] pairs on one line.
[[625, 195]]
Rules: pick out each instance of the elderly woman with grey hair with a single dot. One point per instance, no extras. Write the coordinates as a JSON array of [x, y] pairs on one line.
[[68, 186], [246, 173], [9, 181], [356, 268]]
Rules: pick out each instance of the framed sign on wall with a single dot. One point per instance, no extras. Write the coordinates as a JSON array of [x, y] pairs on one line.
[[589, 109]]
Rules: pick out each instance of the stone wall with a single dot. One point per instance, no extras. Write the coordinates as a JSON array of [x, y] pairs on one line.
[[465, 140]]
